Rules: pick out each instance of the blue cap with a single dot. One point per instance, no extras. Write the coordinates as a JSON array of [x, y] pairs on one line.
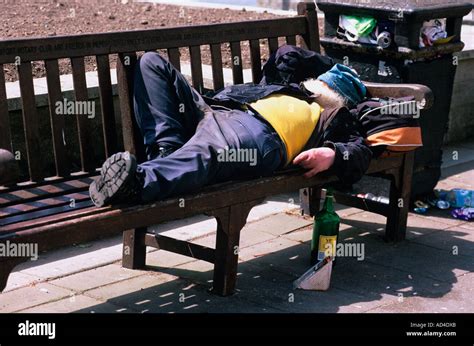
[[346, 82]]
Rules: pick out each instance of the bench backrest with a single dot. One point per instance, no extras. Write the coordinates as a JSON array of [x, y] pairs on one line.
[[124, 46]]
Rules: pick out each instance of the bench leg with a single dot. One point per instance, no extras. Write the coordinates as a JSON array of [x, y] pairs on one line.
[[400, 189], [134, 249], [6, 267], [310, 200], [230, 222]]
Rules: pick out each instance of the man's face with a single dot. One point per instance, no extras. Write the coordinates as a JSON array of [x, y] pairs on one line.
[[323, 94]]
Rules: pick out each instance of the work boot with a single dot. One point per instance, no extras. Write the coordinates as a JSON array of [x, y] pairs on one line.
[[118, 181]]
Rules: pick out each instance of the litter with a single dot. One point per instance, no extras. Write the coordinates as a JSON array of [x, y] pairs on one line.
[[356, 27], [317, 278], [457, 198], [443, 204], [434, 32], [466, 214], [420, 210]]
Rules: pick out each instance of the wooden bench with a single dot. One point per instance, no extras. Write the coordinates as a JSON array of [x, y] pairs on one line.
[[39, 209]]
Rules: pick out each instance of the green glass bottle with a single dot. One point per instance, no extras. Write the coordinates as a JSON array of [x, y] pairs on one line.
[[325, 231]]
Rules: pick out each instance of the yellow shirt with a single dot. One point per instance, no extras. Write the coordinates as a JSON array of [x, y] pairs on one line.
[[293, 119]]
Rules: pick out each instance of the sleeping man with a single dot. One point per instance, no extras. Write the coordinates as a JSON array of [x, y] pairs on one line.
[[244, 131]]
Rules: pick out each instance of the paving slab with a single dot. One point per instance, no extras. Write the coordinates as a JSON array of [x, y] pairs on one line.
[[26, 297], [247, 238], [169, 294], [76, 304], [197, 271], [166, 258], [283, 254], [466, 177], [280, 224], [384, 284], [19, 279], [96, 277], [448, 184], [263, 284], [457, 239], [434, 217], [414, 258], [457, 300], [176, 295], [251, 234], [467, 225], [276, 290], [136, 293], [73, 259], [416, 225]]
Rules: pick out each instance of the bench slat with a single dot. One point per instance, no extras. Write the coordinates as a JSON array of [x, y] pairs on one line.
[[236, 52], [83, 125], [51, 219], [42, 204], [107, 105], [311, 36], [196, 68], [256, 59], [174, 57], [5, 134], [12, 220], [30, 121], [51, 190], [57, 120], [217, 72], [273, 44], [291, 40], [144, 40]]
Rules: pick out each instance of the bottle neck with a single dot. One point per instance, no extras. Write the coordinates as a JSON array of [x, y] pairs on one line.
[[328, 202]]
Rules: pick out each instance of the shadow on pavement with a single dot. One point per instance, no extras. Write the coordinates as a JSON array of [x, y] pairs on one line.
[[424, 267]]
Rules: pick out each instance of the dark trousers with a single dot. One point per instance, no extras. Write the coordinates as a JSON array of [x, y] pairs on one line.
[[214, 144]]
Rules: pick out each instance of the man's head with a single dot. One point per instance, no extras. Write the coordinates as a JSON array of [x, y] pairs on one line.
[[338, 87]]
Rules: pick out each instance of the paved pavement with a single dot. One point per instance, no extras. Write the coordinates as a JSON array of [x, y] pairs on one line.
[[432, 271]]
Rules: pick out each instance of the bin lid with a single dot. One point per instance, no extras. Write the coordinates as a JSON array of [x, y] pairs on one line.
[[415, 9]]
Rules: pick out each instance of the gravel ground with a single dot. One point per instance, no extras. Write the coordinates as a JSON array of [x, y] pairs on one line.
[[67, 17]]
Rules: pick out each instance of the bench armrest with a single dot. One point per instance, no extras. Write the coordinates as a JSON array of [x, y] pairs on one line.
[[423, 95]]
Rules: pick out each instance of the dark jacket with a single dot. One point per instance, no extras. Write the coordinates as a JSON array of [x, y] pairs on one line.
[[336, 128], [291, 65]]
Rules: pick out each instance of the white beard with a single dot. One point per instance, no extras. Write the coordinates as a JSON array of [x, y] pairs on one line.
[[324, 95]]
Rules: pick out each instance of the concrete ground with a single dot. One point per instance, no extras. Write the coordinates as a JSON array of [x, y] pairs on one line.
[[432, 271]]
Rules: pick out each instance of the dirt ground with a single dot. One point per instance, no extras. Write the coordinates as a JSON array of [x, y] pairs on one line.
[[67, 17]]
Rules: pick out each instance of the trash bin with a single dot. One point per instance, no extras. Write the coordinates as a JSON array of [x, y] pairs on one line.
[[395, 56]]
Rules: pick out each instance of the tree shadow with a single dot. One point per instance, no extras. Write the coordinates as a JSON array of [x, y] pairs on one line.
[[389, 273]]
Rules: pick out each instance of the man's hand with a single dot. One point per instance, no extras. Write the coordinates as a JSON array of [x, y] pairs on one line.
[[315, 160]]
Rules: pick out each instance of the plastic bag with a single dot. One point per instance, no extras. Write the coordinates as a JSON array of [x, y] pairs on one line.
[[356, 27]]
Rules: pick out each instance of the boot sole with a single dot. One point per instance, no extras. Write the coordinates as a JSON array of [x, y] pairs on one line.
[[114, 173]]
